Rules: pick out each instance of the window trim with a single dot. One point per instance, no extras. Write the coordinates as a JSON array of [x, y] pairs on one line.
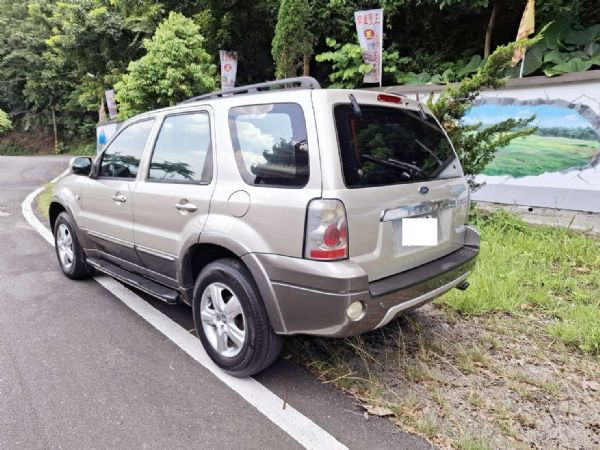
[[239, 159], [209, 155], [114, 138], [341, 164]]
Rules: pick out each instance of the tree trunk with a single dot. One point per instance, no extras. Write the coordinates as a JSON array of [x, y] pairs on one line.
[[306, 71], [489, 31]]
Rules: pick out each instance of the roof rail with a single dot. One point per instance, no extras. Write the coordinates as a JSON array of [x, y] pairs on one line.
[[294, 83]]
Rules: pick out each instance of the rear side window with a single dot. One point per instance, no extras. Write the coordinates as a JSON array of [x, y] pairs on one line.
[[122, 158], [385, 146], [270, 144], [182, 152]]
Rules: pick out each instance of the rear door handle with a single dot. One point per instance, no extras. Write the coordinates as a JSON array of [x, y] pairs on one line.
[[118, 197], [185, 206]]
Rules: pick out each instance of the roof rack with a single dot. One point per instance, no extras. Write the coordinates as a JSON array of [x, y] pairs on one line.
[[294, 83]]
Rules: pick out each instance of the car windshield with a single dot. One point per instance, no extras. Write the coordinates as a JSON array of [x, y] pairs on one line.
[[384, 146]]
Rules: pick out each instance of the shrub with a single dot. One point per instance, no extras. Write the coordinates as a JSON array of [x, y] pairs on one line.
[[175, 67]]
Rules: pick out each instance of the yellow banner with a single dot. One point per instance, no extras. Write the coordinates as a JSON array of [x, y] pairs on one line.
[[526, 28]]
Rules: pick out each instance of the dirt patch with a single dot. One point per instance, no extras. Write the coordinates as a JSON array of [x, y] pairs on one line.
[[480, 382]]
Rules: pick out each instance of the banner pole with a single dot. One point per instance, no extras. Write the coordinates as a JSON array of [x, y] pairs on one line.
[[381, 54], [381, 66], [522, 64]]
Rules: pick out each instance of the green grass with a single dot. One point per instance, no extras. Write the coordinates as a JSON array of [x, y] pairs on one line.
[[531, 269], [534, 155], [44, 199]]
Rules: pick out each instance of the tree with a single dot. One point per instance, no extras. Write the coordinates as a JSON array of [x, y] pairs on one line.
[[21, 45], [5, 123], [225, 24], [292, 39], [175, 67], [476, 145], [349, 68]]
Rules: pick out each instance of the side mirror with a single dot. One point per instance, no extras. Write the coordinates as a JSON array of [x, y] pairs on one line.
[[81, 165]]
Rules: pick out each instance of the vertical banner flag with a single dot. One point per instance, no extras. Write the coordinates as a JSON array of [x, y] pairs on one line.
[[526, 28], [369, 26], [228, 69], [111, 104]]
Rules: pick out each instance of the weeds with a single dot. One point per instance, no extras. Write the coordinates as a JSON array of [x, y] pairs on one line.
[[469, 358], [533, 269], [428, 425], [468, 441]]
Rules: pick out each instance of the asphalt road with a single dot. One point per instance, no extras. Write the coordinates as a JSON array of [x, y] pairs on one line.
[[79, 369]]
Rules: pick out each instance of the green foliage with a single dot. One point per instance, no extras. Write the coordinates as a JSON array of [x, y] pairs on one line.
[[563, 50], [454, 72], [175, 67], [348, 67], [5, 123], [85, 49], [292, 39], [476, 146]]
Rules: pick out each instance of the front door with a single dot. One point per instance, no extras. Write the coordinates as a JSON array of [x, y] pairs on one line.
[[171, 200], [106, 201]]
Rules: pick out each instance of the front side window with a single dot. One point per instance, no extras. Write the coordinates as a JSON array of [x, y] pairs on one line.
[[122, 158], [270, 144], [384, 146], [182, 150]]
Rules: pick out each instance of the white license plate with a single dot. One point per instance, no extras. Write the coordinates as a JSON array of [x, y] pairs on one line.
[[419, 232]]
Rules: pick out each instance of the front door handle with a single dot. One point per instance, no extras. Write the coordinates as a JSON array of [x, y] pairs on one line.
[[185, 206], [118, 197]]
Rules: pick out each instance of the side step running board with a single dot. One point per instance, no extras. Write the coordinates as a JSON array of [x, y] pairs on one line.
[[167, 295]]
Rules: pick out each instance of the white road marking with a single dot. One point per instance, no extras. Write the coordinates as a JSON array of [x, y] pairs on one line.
[[27, 211], [301, 428]]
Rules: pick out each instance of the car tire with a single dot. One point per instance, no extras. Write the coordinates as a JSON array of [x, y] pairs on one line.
[[69, 252], [231, 320]]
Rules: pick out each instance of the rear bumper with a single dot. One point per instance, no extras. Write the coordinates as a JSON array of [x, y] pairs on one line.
[[311, 297]]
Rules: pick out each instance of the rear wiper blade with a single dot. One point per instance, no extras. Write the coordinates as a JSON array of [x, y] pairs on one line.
[[392, 162], [428, 150]]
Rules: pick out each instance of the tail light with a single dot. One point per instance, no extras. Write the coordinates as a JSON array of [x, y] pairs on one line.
[[326, 230]]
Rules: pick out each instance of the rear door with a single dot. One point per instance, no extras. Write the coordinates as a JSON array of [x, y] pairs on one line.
[[172, 198], [396, 164], [106, 201]]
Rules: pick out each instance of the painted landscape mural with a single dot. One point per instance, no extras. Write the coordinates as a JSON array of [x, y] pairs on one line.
[[564, 140]]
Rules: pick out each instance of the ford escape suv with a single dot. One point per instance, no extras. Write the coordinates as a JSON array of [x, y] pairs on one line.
[[273, 209]]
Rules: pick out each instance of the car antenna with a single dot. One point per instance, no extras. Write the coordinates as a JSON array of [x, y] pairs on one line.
[[355, 105]]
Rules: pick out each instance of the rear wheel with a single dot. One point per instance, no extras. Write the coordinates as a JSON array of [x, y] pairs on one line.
[[68, 250], [231, 320]]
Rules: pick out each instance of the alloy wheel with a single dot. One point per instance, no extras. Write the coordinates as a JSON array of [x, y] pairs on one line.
[[64, 244], [223, 320]]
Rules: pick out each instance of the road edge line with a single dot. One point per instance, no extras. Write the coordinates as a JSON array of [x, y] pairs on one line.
[[291, 421]]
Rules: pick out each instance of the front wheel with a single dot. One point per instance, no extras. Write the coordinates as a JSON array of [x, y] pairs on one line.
[[231, 320], [68, 249]]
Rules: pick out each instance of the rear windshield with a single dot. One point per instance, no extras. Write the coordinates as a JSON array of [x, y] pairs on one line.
[[384, 146]]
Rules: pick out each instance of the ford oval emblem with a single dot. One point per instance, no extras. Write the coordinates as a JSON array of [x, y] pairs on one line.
[[423, 190]]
